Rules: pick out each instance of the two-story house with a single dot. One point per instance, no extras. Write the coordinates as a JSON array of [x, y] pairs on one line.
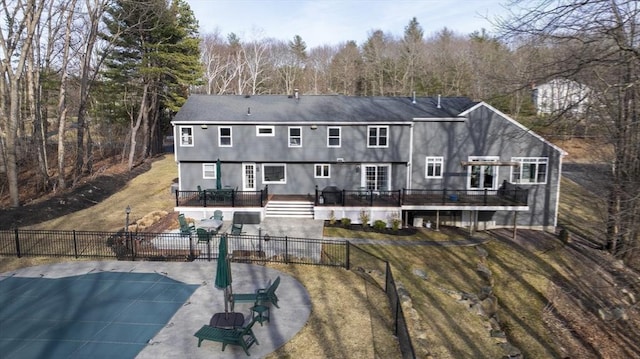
[[438, 159]]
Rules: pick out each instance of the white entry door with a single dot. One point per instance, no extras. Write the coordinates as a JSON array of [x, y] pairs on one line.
[[248, 176]]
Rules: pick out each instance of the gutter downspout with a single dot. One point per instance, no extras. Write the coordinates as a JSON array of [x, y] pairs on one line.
[[410, 163]]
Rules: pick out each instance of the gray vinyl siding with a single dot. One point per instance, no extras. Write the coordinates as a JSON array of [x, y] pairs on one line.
[[247, 147], [486, 133]]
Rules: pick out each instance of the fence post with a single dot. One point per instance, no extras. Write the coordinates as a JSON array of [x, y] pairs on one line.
[[286, 249], [177, 196], [18, 244], [444, 196], [348, 251], [132, 241], [75, 244], [485, 196]]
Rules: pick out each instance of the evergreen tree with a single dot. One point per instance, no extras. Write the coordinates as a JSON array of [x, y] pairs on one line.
[[156, 59]]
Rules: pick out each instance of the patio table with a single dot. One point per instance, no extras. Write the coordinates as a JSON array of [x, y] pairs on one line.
[[210, 224], [229, 320]]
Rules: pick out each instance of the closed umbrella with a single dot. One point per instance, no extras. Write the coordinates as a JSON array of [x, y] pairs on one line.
[[223, 271], [218, 175]]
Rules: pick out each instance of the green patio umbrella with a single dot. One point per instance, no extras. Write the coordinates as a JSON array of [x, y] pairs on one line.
[[223, 271], [218, 174]]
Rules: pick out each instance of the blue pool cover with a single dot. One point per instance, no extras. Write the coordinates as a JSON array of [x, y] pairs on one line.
[[95, 315]]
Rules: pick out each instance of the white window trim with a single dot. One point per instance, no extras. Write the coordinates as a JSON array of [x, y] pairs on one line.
[[483, 158], [322, 165], [339, 136], [290, 137], [377, 136], [264, 181], [182, 144], [271, 134], [204, 170], [435, 160], [363, 174], [220, 137], [537, 161]]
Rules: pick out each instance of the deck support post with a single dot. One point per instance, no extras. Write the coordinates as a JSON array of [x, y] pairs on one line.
[[515, 225], [437, 219]]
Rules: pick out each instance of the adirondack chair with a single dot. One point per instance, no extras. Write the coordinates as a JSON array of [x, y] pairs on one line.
[[217, 214], [242, 337], [236, 229], [201, 193], [203, 235], [261, 295], [185, 227]]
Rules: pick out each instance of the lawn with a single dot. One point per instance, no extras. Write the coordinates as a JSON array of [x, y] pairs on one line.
[[541, 287]]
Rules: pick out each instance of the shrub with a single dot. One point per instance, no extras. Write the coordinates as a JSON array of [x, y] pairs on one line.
[[395, 221], [364, 217], [395, 224], [332, 218], [346, 222], [379, 225]]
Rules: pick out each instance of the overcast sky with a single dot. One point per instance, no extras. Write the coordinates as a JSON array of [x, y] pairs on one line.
[[331, 22]]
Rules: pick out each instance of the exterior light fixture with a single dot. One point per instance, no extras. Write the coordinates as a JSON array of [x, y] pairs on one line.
[[314, 127], [204, 126]]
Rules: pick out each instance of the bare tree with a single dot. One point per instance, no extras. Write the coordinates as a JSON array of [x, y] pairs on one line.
[[597, 43], [256, 63], [16, 39]]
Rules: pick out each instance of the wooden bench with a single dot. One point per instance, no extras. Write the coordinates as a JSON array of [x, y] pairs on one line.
[[242, 337], [261, 295]]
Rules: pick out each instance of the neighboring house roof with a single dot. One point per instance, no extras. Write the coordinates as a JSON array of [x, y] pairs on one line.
[[317, 109]]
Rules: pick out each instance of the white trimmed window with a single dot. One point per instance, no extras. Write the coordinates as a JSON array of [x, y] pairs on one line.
[[295, 136], [378, 136], [322, 170], [265, 131], [274, 173], [224, 137], [334, 136], [532, 170], [209, 170], [434, 167], [186, 136]]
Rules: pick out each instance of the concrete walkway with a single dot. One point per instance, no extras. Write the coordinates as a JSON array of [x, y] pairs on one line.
[[176, 339]]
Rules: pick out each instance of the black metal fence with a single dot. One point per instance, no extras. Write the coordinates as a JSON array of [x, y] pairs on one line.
[[171, 247], [360, 259], [178, 247]]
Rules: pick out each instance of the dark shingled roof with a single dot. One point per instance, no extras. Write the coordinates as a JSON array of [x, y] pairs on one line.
[[316, 108]]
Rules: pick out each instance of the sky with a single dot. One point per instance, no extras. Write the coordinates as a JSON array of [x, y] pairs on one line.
[[332, 22]]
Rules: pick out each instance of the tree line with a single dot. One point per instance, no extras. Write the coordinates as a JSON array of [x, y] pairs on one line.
[[85, 79]]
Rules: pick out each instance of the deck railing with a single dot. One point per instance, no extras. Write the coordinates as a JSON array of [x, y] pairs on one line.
[[222, 198], [505, 196]]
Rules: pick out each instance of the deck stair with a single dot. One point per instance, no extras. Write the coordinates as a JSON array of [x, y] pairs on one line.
[[289, 209]]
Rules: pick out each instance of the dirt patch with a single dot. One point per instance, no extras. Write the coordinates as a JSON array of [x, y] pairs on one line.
[[85, 194]]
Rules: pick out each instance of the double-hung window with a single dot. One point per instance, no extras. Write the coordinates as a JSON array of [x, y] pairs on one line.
[[322, 171], [434, 167], [378, 136], [224, 137], [333, 136], [295, 136], [186, 136], [209, 170], [531, 170]]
